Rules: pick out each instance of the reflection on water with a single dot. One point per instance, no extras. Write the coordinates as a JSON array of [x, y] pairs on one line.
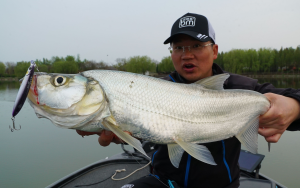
[[41, 153], [8, 90], [282, 82], [9, 85]]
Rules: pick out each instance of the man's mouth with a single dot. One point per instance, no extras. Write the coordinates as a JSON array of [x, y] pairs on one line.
[[188, 67]]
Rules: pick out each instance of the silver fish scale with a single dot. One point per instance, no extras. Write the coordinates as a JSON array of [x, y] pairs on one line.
[[157, 110]]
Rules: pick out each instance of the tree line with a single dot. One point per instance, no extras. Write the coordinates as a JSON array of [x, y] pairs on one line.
[[239, 61], [262, 61]]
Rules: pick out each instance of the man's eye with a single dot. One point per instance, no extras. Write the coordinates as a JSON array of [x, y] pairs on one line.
[[197, 46], [178, 48]]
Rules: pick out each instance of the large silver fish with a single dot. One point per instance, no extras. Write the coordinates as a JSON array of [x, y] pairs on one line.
[[163, 112]]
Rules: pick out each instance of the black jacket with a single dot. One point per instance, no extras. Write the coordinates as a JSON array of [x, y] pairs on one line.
[[194, 173]]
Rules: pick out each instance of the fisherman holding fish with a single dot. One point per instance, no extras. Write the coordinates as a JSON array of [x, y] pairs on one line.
[[193, 50]]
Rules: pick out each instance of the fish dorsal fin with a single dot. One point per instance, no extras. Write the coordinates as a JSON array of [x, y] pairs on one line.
[[175, 154], [199, 152], [249, 137], [214, 82], [124, 136]]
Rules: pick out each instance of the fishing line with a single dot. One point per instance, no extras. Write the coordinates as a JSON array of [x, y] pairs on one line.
[[143, 166], [122, 170], [94, 183]]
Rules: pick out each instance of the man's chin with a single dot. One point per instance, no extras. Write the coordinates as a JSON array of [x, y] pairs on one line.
[[191, 77]]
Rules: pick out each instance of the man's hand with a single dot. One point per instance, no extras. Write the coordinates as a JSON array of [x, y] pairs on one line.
[[105, 137], [276, 120]]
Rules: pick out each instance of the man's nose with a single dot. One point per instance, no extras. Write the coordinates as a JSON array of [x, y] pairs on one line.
[[187, 51]]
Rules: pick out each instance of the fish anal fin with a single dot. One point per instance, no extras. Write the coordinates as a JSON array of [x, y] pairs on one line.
[[175, 154], [249, 137], [199, 152], [126, 137], [214, 82]]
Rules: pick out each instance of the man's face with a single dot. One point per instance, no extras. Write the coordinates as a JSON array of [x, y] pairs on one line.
[[197, 65]]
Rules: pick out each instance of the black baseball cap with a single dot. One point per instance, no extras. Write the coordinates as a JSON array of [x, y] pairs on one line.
[[194, 25]]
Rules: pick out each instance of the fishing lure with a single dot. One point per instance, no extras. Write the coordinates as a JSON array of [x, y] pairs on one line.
[[22, 93]]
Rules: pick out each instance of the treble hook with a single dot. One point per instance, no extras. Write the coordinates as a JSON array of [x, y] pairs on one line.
[[14, 128]]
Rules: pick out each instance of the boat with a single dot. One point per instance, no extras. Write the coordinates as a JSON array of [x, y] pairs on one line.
[[119, 166]]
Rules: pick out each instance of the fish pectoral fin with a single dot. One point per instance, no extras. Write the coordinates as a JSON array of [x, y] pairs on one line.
[[214, 82], [269, 146], [175, 154], [249, 137], [126, 137], [199, 152], [111, 120]]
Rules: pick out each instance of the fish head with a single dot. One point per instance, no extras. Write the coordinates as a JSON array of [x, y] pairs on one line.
[[68, 100]]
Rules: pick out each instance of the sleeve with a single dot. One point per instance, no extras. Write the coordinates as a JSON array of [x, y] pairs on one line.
[[287, 92]]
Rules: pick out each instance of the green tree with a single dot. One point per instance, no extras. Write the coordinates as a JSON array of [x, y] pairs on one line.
[[90, 65], [266, 58], [42, 67], [297, 58], [166, 65], [67, 67], [70, 58], [2, 68], [21, 68], [140, 64], [10, 68], [219, 60], [234, 61], [121, 64]]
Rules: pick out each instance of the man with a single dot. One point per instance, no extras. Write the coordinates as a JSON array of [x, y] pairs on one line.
[[194, 49]]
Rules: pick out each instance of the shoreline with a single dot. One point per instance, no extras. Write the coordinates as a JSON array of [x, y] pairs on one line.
[[15, 79], [272, 75], [8, 79]]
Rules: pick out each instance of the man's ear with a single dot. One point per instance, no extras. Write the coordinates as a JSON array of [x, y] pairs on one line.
[[215, 51]]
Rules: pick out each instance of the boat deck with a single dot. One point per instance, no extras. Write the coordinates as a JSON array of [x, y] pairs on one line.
[[99, 174]]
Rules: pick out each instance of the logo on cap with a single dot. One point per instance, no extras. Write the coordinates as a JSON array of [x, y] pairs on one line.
[[188, 21], [200, 36]]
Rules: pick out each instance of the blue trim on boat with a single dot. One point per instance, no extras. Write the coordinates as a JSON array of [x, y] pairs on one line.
[[187, 171], [225, 162], [172, 78]]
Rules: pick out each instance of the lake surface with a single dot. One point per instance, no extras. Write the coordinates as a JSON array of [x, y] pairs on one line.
[[41, 153]]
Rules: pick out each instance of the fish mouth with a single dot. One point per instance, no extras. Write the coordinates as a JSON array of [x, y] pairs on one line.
[[33, 95]]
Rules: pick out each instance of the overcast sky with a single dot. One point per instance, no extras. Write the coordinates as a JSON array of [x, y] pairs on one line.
[[107, 30]]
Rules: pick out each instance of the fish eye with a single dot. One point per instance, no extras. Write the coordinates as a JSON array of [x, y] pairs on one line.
[[59, 80]]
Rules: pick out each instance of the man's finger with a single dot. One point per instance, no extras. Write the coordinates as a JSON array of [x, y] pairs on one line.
[[273, 138], [105, 138], [266, 132], [84, 133], [117, 140]]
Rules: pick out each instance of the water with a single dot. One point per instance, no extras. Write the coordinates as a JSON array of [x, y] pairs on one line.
[[281, 164], [41, 153]]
